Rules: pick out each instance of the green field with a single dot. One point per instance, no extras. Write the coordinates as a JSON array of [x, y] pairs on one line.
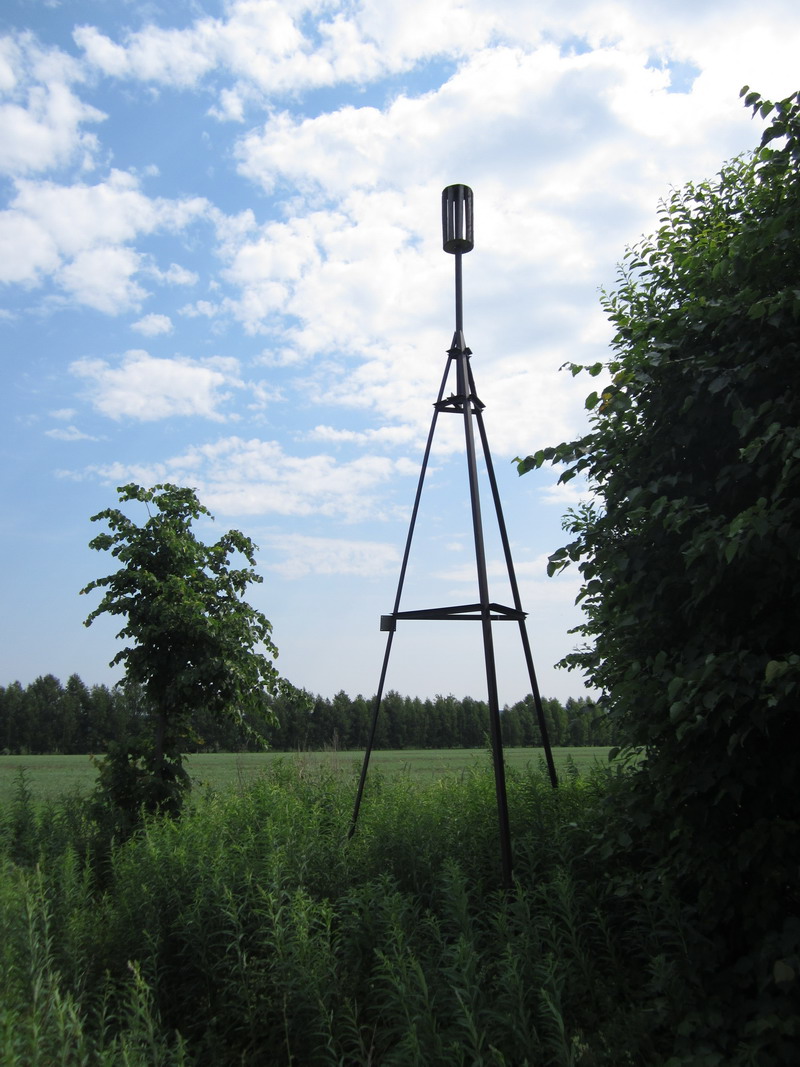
[[49, 777]]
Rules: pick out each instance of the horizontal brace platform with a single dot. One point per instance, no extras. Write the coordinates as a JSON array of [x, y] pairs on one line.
[[456, 404], [468, 612]]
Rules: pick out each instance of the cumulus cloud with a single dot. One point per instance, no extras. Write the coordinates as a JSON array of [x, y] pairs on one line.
[[576, 147], [152, 325], [304, 556], [177, 275], [102, 278], [251, 476], [200, 308], [262, 44], [176, 57], [27, 250], [144, 388], [80, 236], [268, 49], [382, 435], [41, 117], [576, 121]]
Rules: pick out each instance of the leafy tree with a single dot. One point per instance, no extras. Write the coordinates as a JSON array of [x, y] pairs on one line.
[[77, 705], [43, 714], [689, 548], [511, 724], [359, 727], [193, 640]]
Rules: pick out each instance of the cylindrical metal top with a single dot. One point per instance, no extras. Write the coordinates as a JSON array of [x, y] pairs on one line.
[[457, 233]]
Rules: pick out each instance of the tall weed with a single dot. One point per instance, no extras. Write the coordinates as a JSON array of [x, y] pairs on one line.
[[252, 931]]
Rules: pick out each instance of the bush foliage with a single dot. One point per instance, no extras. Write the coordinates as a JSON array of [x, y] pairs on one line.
[[689, 550]]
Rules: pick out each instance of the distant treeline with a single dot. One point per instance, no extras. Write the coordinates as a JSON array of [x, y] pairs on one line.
[[48, 717]]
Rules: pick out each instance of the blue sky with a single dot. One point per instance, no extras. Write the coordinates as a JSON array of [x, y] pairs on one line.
[[221, 265]]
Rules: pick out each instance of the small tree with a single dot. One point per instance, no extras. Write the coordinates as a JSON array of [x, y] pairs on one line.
[[195, 644]]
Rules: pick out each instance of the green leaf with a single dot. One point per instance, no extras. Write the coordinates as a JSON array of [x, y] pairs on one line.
[[783, 972], [677, 711], [775, 669]]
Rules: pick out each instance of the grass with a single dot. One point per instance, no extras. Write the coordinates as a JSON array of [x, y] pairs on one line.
[[50, 777]]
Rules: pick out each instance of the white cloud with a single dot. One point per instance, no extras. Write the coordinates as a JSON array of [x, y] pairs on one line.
[[174, 57], [114, 211], [41, 118], [390, 436], [80, 236], [144, 388], [177, 275], [574, 149], [267, 49], [566, 494], [27, 251], [200, 308], [69, 433], [256, 477], [152, 325], [260, 43], [306, 555], [102, 278], [238, 476]]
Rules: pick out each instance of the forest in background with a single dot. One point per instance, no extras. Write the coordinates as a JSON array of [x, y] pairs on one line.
[[46, 717]]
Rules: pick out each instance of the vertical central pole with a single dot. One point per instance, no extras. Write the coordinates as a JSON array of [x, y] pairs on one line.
[[461, 354], [459, 297]]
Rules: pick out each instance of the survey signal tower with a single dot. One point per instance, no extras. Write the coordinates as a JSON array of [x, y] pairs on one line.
[[462, 401]]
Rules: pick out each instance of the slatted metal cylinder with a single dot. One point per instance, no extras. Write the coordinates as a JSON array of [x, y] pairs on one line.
[[457, 230]]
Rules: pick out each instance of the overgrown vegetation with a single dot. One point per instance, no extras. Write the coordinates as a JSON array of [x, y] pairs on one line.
[[250, 931], [689, 558]]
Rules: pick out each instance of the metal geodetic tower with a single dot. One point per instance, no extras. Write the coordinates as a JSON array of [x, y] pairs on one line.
[[457, 236]]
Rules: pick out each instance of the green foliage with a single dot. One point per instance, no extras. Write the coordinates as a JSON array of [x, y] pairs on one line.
[[194, 640], [689, 552]]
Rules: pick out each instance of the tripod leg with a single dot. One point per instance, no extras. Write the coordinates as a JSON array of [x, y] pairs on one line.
[[400, 584], [371, 740]]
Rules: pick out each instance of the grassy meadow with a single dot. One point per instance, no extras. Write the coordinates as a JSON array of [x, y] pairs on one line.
[[49, 777]]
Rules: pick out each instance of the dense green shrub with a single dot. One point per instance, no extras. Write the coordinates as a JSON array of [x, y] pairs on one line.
[[689, 558]]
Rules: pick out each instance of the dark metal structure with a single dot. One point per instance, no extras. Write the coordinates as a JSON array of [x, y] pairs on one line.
[[458, 238]]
